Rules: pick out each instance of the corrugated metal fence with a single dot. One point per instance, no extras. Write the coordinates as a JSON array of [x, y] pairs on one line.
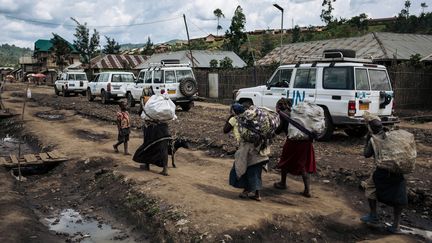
[[413, 87]]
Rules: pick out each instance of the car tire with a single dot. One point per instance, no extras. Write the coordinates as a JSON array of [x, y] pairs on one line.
[[56, 91], [329, 128], [187, 106], [357, 132], [89, 95], [64, 92], [188, 87], [331, 53], [130, 100], [104, 98]]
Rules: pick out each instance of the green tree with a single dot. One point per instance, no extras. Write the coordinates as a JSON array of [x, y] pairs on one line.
[[405, 11], [423, 6], [86, 45], [112, 47], [326, 13], [266, 44], [218, 13], [361, 22], [235, 36], [226, 63], [61, 51], [296, 34], [148, 48], [213, 64]]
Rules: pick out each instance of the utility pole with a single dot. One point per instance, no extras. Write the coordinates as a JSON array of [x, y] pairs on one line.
[[187, 32], [282, 11]]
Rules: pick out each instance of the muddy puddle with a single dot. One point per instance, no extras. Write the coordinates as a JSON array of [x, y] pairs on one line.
[[92, 136], [71, 224], [50, 115], [11, 139]]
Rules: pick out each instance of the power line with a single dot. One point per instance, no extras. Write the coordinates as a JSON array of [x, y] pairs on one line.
[[199, 27], [90, 26]]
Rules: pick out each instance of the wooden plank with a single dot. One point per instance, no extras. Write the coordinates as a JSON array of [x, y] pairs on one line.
[[52, 155], [2, 161], [58, 154], [14, 159], [44, 156], [30, 158]]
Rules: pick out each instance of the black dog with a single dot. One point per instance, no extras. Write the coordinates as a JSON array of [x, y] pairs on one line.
[[174, 145]]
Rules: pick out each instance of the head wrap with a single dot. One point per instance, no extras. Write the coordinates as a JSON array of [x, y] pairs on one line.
[[237, 108]]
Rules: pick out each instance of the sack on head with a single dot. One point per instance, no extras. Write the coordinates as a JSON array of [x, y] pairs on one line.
[[308, 115], [395, 151], [159, 108]]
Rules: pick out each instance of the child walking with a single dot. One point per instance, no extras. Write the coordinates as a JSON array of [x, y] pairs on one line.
[[123, 125]]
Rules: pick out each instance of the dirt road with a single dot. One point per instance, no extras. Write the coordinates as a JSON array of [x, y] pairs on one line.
[[195, 202]]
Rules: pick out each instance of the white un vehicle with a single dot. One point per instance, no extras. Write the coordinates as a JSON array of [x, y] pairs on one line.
[[71, 82], [174, 78], [110, 85], [344, 86]]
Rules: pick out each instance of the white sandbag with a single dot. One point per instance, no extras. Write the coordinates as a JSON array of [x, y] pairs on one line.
[[310, 116], [159, 108], [395, 151]]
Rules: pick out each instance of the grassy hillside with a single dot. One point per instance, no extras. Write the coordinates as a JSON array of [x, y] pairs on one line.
[[10, 54]]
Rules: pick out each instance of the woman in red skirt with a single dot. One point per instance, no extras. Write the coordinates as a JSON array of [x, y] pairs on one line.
[[298, 156]]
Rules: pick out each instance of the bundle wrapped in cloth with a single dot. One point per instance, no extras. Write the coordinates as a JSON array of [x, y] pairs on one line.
[[159, 108], [257, 124], [308, 115]]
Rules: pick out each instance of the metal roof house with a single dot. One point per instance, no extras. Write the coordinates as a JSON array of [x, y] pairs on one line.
[[382, 47], [116, 62], [201, 58]]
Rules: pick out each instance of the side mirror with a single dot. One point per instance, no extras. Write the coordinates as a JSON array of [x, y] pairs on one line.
[[268, 86]]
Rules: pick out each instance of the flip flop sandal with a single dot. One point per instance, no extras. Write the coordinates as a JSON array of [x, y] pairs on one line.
[[278, 185], [255, 198], [391, 229]]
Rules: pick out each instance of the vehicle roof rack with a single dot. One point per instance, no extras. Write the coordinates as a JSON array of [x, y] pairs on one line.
[[318, 59], [163, 64]]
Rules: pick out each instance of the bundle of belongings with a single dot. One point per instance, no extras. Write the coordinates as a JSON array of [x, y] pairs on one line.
[[395, 150], [307, 121], [159, 108], [257, 125]]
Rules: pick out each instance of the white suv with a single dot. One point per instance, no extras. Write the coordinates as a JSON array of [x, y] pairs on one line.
[[345, 87], [71, 82], [110, 85], [176, 79]]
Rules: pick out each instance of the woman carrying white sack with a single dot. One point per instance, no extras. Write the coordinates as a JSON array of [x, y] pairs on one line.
[[157, 111]]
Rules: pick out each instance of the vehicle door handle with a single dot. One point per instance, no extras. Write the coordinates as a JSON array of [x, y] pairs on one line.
[[268, 93], [157, 87], [336, 97], [311, 95]]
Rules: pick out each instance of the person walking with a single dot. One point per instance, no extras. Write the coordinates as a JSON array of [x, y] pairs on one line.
[[123, 126], [298, 156], [383, 185], [248, 159]]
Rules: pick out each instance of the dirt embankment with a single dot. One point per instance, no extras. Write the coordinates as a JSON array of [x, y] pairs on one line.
[[195, 202]]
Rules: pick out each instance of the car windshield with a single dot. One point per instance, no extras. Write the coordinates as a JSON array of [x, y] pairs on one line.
[[379, 80], [77, 76], [181, 74], [281, 78], [122, 78]]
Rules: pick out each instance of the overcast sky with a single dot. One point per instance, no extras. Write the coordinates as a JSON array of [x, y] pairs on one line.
[[162, 19]]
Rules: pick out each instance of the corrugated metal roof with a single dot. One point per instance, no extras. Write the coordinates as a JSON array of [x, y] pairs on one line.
[[381, 46], [117, 61], [201, 58]]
